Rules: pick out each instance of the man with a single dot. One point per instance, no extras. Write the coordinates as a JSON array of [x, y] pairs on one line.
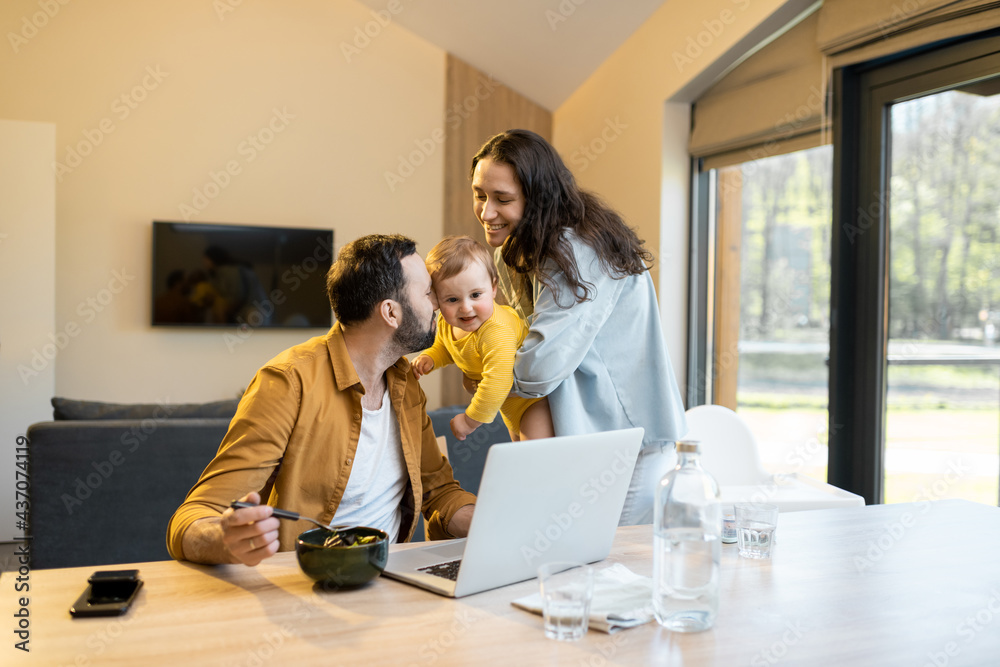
[[333, 428]]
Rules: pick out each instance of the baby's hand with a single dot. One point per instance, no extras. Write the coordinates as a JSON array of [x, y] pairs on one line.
[[422, 365], [462, 425]]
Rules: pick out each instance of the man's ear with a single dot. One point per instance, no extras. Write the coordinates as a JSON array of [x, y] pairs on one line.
[[391, 312]]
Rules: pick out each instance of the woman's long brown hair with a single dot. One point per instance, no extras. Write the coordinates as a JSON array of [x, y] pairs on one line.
[[552, 201]]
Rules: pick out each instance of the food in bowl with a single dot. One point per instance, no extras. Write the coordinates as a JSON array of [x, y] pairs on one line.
[[346, 565], [338, 539]]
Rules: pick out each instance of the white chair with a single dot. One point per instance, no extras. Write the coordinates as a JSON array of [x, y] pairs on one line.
[[728, 448], [729, 453]]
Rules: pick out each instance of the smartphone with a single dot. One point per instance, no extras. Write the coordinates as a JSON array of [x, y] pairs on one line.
[[108, 593]]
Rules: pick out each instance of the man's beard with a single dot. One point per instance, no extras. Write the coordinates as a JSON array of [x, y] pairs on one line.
[[410, 337]]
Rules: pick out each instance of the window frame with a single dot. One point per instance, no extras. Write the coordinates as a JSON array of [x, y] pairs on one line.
[[863, 96], [701, 290]]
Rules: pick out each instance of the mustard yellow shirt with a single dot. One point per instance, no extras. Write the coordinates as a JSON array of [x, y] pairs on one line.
[[294, 438], [486, 355]]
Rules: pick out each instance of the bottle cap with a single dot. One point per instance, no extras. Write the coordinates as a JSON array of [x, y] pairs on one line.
[[689, 446]]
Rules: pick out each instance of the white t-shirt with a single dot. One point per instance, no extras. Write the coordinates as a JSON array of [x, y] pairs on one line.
[[378, 476]]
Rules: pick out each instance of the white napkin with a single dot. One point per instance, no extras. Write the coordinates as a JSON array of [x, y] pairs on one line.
[[622, 599]]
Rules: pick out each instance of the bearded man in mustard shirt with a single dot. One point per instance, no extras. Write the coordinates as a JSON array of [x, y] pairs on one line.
[[335, 428]]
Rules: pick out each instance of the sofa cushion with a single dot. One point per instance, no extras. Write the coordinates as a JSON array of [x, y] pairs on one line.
[[102, 491], [69, 409], [468, 457]]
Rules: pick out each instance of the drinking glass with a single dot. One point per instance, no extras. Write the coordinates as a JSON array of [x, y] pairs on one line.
[[566, 589], [755, 526]]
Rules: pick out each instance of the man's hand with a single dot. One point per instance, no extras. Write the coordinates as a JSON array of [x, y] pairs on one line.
[[470, 385], [462, 425], [460, 521], [422, 365], [250, 534]]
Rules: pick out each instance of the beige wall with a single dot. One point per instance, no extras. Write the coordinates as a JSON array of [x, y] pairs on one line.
[[27, 300], [624, 140], [200, 83]]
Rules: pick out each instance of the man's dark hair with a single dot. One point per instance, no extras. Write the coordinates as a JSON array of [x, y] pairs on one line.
[[367, 272]]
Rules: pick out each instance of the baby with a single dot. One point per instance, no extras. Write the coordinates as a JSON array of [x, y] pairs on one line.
[[481, 338]]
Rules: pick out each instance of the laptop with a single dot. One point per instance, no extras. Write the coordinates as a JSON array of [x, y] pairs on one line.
[[539, 501]]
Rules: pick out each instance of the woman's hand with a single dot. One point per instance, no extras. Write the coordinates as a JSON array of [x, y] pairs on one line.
[[470, 385]]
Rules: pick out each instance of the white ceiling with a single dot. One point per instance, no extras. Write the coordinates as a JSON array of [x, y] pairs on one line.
[[543, 49]]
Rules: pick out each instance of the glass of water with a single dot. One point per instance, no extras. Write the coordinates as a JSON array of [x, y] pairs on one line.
[[566, 589], [755, 526]]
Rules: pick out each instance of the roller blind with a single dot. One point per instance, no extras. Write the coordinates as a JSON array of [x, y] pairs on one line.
[[774, 102], [770, 104], [853, 31]]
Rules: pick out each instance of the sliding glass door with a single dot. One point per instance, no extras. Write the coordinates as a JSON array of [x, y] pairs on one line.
[[772, 303], [915, 349], [943, 382]]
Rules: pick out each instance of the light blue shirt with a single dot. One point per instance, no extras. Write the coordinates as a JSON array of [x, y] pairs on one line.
[[602, 362]]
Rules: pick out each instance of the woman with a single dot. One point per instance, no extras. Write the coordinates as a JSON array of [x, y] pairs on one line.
[[578, 274]]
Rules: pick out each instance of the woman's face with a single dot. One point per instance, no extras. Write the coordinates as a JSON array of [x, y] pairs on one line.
[[497, 199]]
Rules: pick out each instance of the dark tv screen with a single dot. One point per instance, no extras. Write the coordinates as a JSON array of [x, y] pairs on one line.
[[236, 275]]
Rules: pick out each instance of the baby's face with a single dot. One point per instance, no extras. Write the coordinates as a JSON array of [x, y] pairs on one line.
[[466, 299]]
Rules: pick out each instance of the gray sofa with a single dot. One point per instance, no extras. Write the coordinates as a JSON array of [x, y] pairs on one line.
[[105, 478], [467, 457]]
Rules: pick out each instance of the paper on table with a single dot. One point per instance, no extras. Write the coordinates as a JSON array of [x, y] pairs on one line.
[[622, 599]]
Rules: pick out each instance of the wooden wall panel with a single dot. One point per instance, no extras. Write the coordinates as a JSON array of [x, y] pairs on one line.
[[477, 106], [729, 234]]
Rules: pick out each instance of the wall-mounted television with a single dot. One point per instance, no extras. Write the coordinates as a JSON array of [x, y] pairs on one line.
[[218, 275]]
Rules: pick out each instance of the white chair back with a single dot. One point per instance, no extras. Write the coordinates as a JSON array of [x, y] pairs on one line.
[[728, 449]]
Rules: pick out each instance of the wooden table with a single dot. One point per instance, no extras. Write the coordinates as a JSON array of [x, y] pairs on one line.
[[909, 584]]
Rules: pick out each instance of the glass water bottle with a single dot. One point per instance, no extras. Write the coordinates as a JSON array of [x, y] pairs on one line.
[[687, 531]]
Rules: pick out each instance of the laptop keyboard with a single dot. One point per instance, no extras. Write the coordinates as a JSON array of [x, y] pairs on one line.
[[447, 570]]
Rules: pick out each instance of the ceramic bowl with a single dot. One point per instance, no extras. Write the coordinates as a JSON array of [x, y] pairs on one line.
[[342, 566]]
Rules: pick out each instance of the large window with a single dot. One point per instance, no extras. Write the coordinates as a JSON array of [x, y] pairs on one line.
[[849, 295], [943, 384], [772, 281], [916, 277]]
